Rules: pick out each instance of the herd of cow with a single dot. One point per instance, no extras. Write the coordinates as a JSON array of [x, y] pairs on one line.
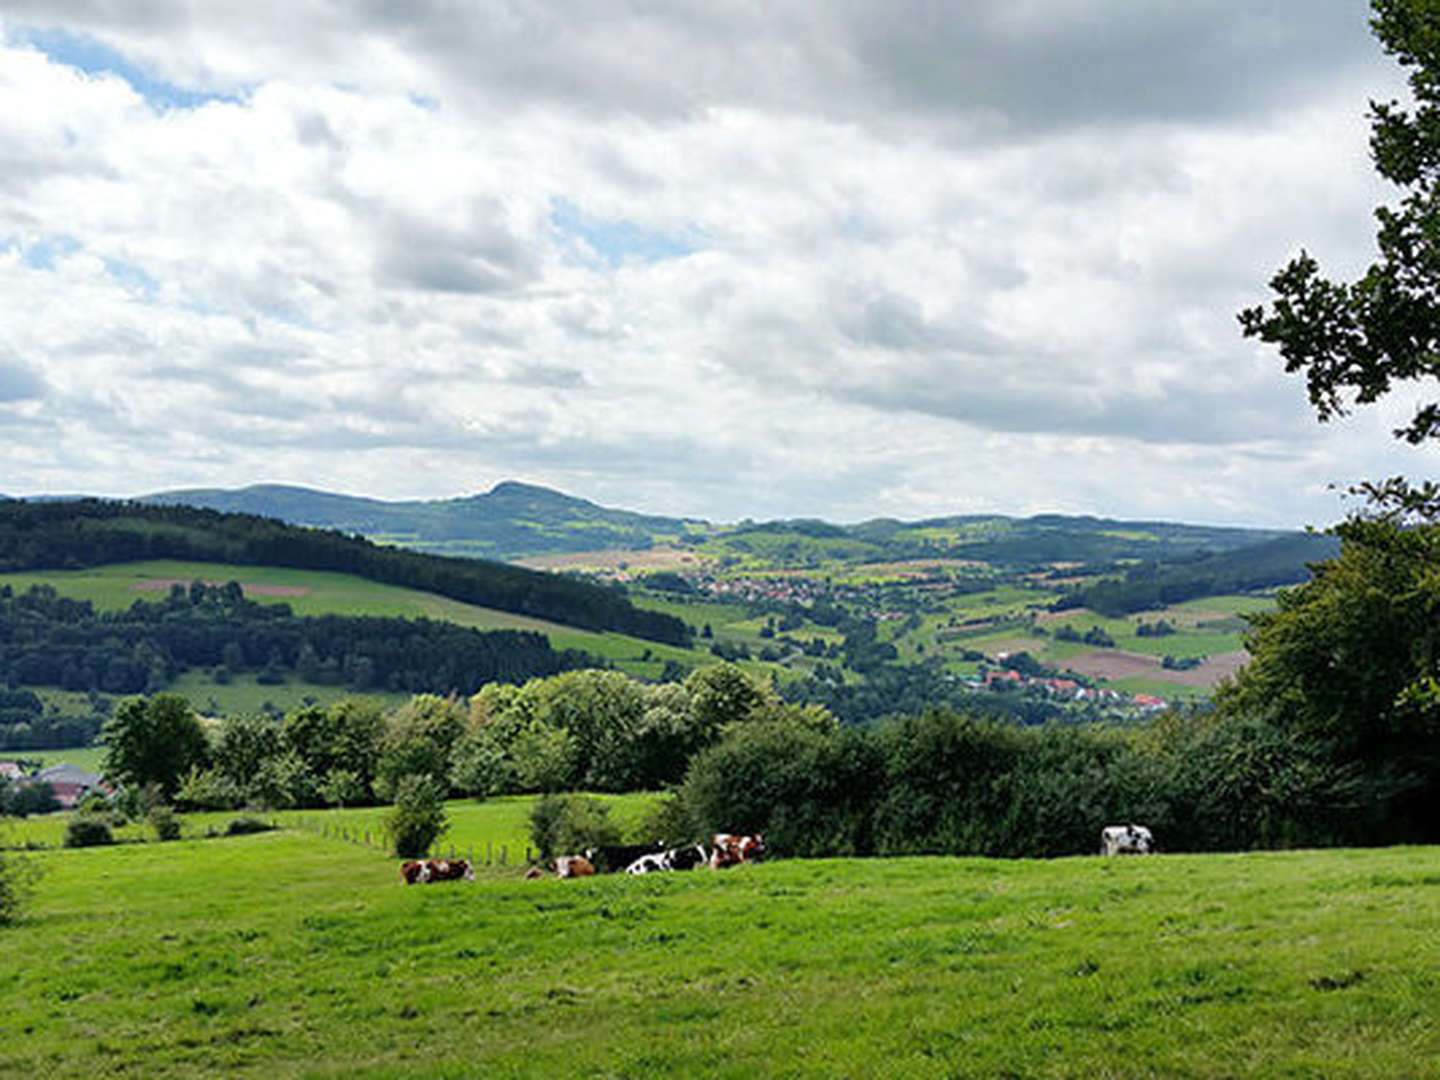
[[726, 849]]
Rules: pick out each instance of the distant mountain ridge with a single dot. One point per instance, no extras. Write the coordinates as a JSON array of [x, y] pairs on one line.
[[509, 521], [514, 520]]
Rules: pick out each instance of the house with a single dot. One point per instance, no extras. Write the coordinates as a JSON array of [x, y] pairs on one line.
[[69, 782]]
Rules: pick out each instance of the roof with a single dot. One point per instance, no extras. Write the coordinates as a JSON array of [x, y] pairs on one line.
[[66, 773]]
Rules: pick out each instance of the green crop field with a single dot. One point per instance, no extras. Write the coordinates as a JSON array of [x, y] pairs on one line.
[[291, 955]]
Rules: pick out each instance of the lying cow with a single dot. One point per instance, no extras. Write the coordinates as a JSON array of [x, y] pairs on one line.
[[571, 866], [1126, 840], [421, 871], [613, 858], [681, 858], [730, 849]]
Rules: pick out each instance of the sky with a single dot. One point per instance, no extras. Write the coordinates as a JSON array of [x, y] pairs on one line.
[[822, 258]]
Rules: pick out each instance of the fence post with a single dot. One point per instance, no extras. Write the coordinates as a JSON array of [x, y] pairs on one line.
[[527, 854], [470, 854], [487, 852], [452, 852], [502, 854]]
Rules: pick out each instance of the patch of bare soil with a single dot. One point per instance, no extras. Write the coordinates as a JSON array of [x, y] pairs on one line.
[[1116, 664], [250, 588], [1119, 664], [1217, 667], [648, 559]]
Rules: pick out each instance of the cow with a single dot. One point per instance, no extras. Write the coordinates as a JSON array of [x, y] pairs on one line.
[[680, 858], [688, 857], [1126, 840], [730, 849], [613, 858], [422, 871], [570, 866], [650, 864]]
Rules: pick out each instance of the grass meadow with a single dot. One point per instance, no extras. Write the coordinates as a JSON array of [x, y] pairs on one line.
[[288, 954]]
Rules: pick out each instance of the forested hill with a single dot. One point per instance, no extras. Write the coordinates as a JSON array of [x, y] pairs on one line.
[[90, 532], [1282, 561], [508, 521]]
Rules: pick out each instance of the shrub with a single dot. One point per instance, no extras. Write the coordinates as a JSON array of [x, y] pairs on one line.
[[17, 883], [243, 826], [417, 819], [209, 789], [165, 823], [85, 831], [570, 823], [668, 819], [810, 792]]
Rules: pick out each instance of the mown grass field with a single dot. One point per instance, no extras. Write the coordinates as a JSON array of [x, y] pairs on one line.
[[285, 955]]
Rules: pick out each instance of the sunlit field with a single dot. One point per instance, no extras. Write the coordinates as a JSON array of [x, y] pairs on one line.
[[291, 954]]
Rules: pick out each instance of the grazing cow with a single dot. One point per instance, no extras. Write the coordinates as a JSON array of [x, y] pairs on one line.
[[568, 866], [1126, 840], [421, 871], [729, 849], [613, 858]]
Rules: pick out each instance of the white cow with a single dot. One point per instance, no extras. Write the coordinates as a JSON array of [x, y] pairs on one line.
[[1126, 840]]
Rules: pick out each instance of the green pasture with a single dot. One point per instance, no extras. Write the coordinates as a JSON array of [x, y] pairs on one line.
[[242, 695], [1161, 688], [473, 825], [85, 757], [289, 955]]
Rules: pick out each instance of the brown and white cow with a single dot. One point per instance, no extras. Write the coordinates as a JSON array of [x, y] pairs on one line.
[[570, 866], [731, 849], [422, 871]]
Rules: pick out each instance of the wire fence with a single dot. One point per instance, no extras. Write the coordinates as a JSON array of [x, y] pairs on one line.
[[490, 854]]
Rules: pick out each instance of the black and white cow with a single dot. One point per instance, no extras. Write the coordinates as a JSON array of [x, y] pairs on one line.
[[613, 858], [681, 858], [1126, 840]]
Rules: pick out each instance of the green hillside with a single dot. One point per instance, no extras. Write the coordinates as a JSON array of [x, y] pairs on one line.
[[289, 954], [509, 520], [91, 532], [314, 592]]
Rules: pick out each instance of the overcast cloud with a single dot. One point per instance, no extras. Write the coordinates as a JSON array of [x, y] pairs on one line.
[[812, 257]]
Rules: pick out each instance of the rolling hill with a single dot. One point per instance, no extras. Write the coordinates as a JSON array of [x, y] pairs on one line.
[[510, 520], [515, 520]]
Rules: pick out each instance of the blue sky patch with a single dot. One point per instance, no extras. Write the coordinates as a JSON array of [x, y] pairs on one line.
[[132, 278], [94, 57], [616, 242], [42, 254]]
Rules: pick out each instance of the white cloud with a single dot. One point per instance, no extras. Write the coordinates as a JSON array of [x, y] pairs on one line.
[[812, 259]]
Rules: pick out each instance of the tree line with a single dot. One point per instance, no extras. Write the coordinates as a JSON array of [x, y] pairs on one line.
[[1152, 584], [50, 640], [93, 532], [592, 729]]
